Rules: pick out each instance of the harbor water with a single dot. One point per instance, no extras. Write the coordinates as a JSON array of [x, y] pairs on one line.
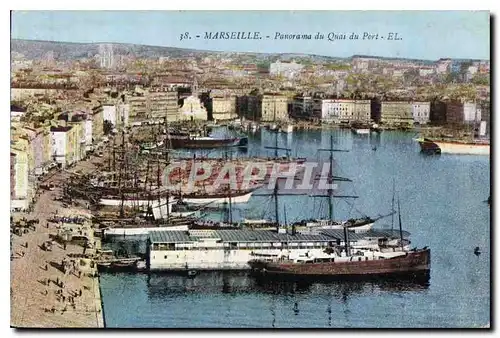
[[442, 206]]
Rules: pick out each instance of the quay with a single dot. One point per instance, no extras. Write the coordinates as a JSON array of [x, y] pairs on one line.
[[49, 289]]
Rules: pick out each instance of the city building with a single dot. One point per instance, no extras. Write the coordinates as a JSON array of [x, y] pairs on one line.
[[223, 107], [267, 107], [109, 113], [163, 102], [344, 111], [421, 112], [443, 66], [16, 113], [12, 175], [462, 112], [302, 107], [62, 145], [286, 69], [437, 113], [97, 125], [20, 199], [192, 108], [153, 104], [395, 113], [426, 70]]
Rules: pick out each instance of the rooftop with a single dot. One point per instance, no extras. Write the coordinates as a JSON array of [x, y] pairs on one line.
[[177, 236]]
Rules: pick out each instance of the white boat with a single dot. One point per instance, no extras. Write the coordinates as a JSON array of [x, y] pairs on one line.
[[361, 131], [234, 249], [218, 200], [363, 226], [287, 128], [116, 232], [477, 147]]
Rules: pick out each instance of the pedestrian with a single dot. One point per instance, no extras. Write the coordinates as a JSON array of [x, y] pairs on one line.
[[63, 298], [64, 245], [57, 281], [26, 245], [80, 293], [79, 273], [46, 267]]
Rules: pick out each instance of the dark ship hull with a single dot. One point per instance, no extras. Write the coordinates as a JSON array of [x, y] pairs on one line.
[[412, 264], [178, 142]]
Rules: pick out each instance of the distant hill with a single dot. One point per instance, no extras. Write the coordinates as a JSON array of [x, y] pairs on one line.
[[37, 49]]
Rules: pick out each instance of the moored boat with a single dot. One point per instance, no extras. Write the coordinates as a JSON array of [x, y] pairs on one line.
[[363, 263], [453, 146], [185, 140]]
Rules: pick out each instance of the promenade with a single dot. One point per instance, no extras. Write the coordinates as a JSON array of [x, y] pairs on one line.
[[42, 293]]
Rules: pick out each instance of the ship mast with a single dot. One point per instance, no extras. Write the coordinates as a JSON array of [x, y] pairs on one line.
[[392, 216], [400, 225], [167, 163], [330, 195], [120, 182]]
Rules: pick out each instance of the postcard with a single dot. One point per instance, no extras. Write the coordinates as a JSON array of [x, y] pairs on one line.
[[250, 169]]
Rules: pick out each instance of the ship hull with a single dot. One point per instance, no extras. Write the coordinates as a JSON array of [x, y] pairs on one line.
[[413, 263], [444, 147], [205, 142], [217, 200]]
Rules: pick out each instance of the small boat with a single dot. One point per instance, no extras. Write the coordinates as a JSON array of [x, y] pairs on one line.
[[360, 128], [185, 140], [286, 128], [375, 128], [454, 146]]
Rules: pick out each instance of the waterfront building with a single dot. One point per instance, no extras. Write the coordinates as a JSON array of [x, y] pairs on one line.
[[20, 199], [458, 112], [36, 140], [267, 107], [344, 111], [12, 175], [223, 107], [397, 113], [97, 124], [62, 145], [421, 112], [192, 109], [302, 107]]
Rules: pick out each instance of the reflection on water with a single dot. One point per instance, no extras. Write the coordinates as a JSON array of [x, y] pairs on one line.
[[240, 282]]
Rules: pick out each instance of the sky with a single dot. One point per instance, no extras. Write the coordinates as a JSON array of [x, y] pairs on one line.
[[425, 34]]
